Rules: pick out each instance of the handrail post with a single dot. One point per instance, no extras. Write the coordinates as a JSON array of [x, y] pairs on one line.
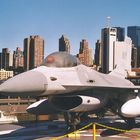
[[94, 131]]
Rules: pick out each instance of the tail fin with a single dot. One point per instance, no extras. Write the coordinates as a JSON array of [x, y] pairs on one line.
[[119, 71]]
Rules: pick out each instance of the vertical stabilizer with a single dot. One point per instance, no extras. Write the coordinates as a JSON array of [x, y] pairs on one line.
[[119, 71]]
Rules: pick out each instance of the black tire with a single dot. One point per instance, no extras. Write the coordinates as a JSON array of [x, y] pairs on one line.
[[131, 122]]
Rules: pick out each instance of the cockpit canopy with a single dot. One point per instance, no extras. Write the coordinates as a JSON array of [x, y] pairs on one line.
[[61, 59]]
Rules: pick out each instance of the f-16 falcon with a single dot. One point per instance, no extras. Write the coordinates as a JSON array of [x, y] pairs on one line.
[[75, 90]]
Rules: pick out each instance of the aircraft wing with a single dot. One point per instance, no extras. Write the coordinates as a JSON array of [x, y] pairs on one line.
[[77, 99], [109, 89]]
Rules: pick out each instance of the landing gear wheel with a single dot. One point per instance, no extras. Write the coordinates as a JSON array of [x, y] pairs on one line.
[[72, 120], [131, 122]]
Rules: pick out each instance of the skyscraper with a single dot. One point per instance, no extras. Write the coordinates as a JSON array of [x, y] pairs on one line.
[[134, 57], [18, 60], [64, 44], [122, 51], [120, 33], [27, 53], [134, 33], [114, 52], [6, 59], [33, 52], [98, 53], [85, 53], [108, 36]]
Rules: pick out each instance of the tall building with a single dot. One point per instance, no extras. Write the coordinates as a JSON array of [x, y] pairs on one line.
[[98, 56], [64, 44], [0, 60], [134, 57], [108, 36], [114, 52], [122, 51], [134, 33], [85, 53], [33, 52], [120, 33], [6, 59], [18, 60]]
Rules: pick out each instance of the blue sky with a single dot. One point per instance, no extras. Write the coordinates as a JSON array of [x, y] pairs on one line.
[[77, 19]]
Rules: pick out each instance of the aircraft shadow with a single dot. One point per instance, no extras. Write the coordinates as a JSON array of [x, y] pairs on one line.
[[54, 129], [31, 131], [120, 129]]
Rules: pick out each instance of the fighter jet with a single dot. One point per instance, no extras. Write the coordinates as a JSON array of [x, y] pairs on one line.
[[73, 89]]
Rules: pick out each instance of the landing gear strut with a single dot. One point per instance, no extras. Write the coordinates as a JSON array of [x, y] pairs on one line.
[[130, 121], [72, 120]]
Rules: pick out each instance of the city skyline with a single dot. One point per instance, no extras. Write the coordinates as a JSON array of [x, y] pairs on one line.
[[52, 18]]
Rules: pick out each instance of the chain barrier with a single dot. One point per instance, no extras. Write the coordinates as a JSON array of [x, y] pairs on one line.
[[98, 124], [74, 132], [117, 129]]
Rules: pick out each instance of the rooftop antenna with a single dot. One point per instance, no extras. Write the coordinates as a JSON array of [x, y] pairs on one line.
[[108, 19]]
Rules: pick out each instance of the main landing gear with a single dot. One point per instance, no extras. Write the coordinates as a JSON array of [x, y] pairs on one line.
[[130, 121], [72, 120]]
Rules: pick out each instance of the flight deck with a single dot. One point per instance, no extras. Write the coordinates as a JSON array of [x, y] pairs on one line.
[[106, 129]]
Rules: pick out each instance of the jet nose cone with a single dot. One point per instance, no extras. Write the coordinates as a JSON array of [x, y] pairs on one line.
[[29, 83]]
